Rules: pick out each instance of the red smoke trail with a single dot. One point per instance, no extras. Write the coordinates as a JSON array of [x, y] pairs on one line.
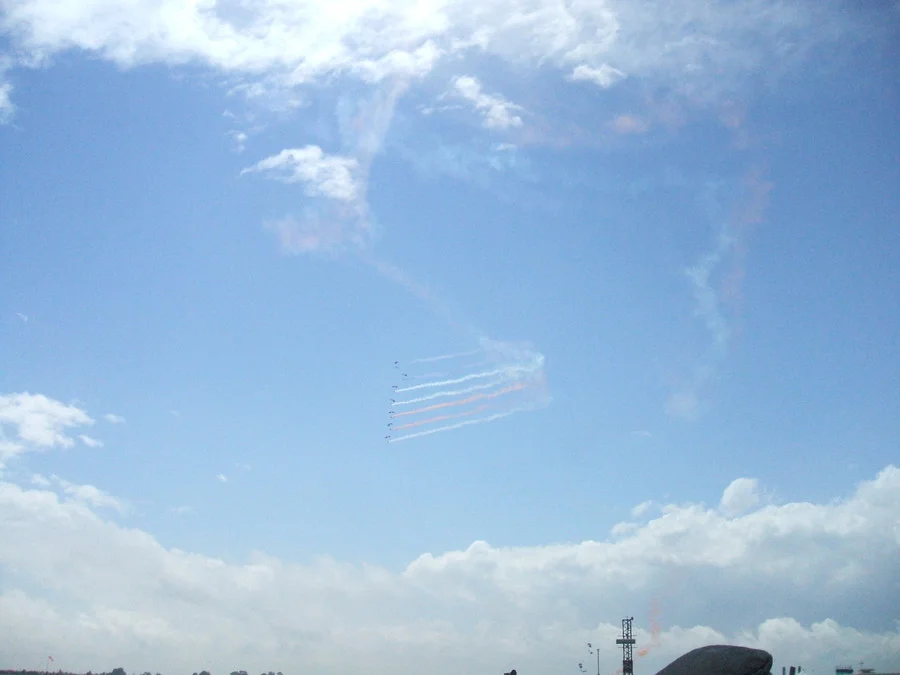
[[441, 418], [482, 420], [463, 401], [654, 630]]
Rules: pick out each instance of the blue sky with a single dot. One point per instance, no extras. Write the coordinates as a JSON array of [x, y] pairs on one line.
[[692, 220]]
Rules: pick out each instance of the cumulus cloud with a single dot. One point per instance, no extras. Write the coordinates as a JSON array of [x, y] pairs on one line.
[[740, 496], [810, 582], [31, 422], [498, 113]]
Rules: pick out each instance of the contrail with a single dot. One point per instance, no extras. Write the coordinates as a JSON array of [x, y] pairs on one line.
[[441, 418], [474, 376], [455, 426], [445, 357], [445, 394], [464, 401]]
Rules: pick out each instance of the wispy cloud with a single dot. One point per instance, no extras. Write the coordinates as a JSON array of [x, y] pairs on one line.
[[90, 442], [335, 214], [321, 174], [88, 495], [114, 419], [93, 496], [23, 317], [716, 279], [30, 422], [182, 510], [497, 112], [273, 50], [221, 477], [238, 139], [629, 124], [605, 76], [7, 108]]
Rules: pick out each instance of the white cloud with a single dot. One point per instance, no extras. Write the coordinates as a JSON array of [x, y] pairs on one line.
[[90, 442], [90, 495], [23, 317], [642, 508], [715, 280], [114, 419], [605, 76], [281, 44], [39, 480], [740, 496], [182, 510], [497, 111], [36, 422], [323, 175], [7, 111], [83, 494], [221, 477], [812, 583], [239, 139]]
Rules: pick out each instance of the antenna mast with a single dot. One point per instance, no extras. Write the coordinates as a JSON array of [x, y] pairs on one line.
[[627, 642]]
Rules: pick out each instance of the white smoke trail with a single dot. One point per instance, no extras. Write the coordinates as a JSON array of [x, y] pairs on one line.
[[445, 357], [424, 376], [491, 418], [509, 371], [454, 392]]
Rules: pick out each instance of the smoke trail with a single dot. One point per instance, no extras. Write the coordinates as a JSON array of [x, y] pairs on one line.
[[445, 357], [424, 376], [510, 370], [456, 426], [445, 394], [471, 399], [655, 631], [442, 418]]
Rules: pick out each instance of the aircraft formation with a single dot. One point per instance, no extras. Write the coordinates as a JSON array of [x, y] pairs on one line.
[[441, 393]]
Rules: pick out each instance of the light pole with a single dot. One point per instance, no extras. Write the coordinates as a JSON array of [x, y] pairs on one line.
[[596, 651]]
